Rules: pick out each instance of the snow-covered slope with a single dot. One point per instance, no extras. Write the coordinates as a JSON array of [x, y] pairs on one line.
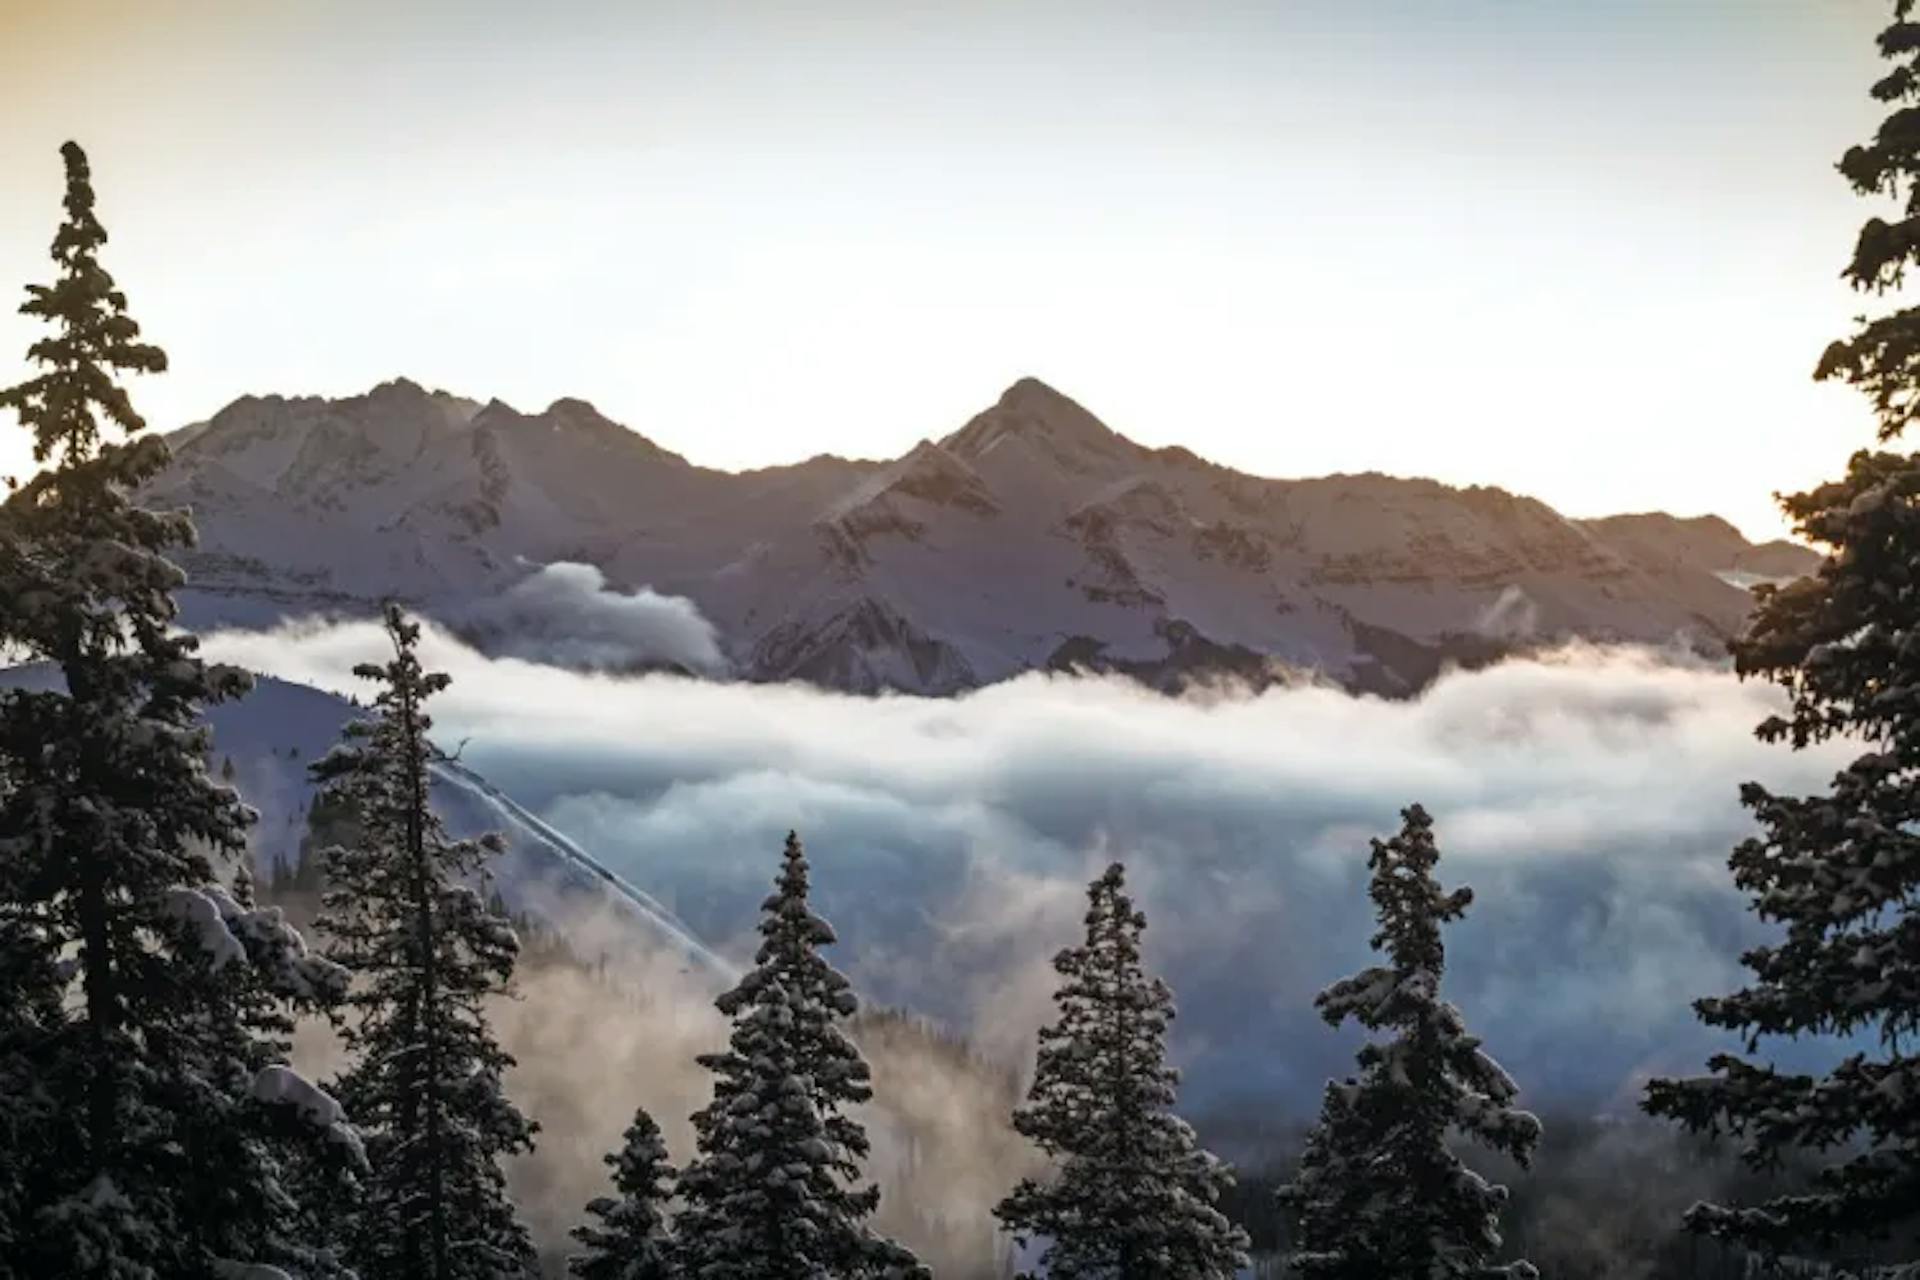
[[1032, 537], [264, 742]]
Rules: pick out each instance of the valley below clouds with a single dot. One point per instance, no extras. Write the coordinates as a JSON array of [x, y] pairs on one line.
[[1589, 797]]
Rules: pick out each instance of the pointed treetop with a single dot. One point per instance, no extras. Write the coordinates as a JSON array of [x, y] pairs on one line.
[[81, 232], [1132, 1193], [1410, 904], [793, 869], [775, 1189], [629, 1237], [404, 678], [94, 337], [1381, 1192], [1108, 901], [643, 1149], [788, 922], [404, 631]]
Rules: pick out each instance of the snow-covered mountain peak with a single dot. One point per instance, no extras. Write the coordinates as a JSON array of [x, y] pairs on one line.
[[1033, 395], [312, 449], [583, 427], [397, 389], [401, 404], [574, 409], [1033, 537], [1049, 424]]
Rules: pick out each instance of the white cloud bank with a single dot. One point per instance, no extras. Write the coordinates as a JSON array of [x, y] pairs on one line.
[[1589, 797], [567, 614]]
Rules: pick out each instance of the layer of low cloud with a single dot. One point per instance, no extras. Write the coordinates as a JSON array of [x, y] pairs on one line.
[[568, 614], [1589, 797]]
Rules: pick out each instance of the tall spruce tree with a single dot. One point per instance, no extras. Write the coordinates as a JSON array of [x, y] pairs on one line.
[[139, 1001], [1840, 870], [629, 1238], [425, 1076], [772, 1194], [1134, 1196], [1379, 1194]]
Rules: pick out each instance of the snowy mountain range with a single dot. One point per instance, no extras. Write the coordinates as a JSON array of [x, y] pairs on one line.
[[1032, 537]]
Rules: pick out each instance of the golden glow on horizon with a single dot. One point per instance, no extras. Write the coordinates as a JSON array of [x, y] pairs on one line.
[[1586, 257]]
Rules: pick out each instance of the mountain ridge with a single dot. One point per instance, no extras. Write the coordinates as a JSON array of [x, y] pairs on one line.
[[1031, 537]]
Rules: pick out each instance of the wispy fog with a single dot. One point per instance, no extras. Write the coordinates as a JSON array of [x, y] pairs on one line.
[[1588, 797], [593, 1044]]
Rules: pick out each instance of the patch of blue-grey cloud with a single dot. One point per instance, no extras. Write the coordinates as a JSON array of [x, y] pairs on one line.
[[1589, 798], [568, 614]]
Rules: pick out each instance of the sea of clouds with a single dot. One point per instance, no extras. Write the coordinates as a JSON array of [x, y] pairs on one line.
[[1588, 796]]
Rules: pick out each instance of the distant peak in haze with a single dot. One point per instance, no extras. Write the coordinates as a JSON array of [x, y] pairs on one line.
[[1037, 401], [1031, 422], [575, 407], [1045, 421], [402, 391], [1030, 389]]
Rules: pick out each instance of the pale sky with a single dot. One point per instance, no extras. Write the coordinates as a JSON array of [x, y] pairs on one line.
[[1586, 250]]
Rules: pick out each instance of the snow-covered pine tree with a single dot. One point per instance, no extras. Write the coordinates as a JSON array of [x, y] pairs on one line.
[[243, 1109], [1840, 870], [32, 991], [136, 992], [629, 1238], [771, 1194], [1135, 1195], [425, 1080], [1379, 1194]]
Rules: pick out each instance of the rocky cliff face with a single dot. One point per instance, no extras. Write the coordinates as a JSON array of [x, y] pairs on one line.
[[1033, 537]]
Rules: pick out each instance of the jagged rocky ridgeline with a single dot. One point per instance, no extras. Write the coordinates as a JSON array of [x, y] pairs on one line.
[[1033, 537]]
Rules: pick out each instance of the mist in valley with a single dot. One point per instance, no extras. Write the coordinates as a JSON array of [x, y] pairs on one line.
[[1587, 795]]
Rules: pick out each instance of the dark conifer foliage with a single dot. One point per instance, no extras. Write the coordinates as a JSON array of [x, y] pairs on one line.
[[1380, 1194], [773, 1194], [629, 1238], [94, 339], [1840, 871], [425, 1080], [1134, 1196], [243, 1188], [1883, 356], [145, 1120]]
